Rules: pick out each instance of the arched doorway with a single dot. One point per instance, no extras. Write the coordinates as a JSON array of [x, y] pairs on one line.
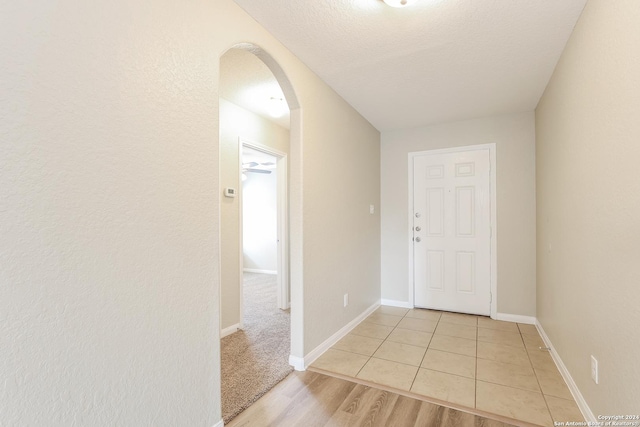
[[242, 124]]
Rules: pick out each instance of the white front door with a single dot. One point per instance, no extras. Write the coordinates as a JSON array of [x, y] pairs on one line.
[[452, 231]]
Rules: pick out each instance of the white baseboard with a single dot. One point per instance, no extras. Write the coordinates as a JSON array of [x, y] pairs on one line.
[[228, 331], [219, 424], [394, 303], [257, 270], [582, 403], [529, 320], [297, 363], [300, 364]]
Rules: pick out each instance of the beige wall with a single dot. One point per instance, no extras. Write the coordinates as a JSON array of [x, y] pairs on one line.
[[588, 192], [110, 216], [236, 122], [515, 146], [341, 238]]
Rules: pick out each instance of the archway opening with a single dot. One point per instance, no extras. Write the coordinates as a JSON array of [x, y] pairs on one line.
[[259, 111]]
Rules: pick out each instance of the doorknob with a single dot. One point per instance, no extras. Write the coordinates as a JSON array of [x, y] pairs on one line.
[[418, 228], [418, 239]]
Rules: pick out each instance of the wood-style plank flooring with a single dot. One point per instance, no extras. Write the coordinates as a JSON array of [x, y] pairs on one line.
[[312, 399]]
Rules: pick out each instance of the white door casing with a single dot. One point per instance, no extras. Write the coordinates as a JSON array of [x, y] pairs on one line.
[[451, 220]]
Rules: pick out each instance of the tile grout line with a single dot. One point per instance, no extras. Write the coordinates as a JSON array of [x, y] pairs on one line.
[[377, 348], [425, 352], [536, 375], [362, 367], [380, 345], [510, 386]]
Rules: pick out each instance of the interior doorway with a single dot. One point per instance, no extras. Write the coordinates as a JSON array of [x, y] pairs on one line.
[[253, 116], [264, 230]]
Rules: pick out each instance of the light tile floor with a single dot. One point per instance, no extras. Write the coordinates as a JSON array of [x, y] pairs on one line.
[[474, 361]]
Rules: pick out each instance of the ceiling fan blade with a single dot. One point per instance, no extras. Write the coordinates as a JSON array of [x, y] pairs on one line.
[[255, 170], [250, 164]]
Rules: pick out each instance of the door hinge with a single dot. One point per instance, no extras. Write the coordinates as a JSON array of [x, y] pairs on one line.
[[490, 231], [490, 297]]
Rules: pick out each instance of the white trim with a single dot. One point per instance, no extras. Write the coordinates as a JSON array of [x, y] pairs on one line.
[[219, 424], [230, 330], [297, 363], [296, 232], [494, 228], [529, 320], [412, 287], [282, 171], [394, 303], [300, 364], [577, 396], [241, 239], [493, 217], [257, 270]]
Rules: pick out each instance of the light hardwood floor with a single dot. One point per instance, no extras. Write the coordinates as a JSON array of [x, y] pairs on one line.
[[312, 399]]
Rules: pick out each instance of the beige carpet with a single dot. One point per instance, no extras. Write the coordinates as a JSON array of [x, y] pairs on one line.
[[256, 358]]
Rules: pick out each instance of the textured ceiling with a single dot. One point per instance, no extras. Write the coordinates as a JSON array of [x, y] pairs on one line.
[[246, 81], [434, 61]]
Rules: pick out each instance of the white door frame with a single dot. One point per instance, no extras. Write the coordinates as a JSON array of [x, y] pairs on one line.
[[282, 227], [494, 226]]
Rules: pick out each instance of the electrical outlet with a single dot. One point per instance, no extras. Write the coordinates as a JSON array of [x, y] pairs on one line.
[[594, 369], [346, 300], [372, 209]]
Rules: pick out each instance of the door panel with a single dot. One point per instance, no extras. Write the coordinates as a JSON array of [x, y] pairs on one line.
[[435, 269], [465, 277], [435, 212], [465, 211], [451, 223]]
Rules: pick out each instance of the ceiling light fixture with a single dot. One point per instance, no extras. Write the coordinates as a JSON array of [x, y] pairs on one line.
[[277, 107], [398, 3]]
